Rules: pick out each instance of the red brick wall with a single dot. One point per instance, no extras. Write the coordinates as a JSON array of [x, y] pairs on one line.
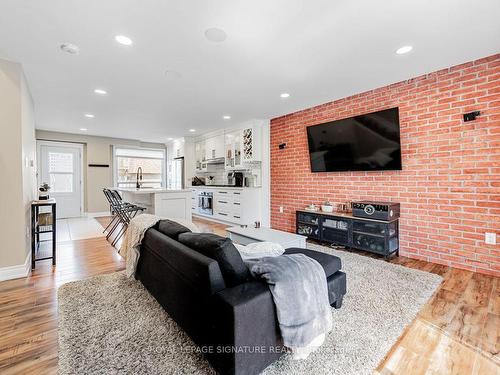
[[449, 188]]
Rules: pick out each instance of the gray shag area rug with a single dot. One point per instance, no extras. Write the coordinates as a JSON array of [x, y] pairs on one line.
[[111, 325]]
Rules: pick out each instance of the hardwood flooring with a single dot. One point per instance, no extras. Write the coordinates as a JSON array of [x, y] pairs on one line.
[[457, 331]]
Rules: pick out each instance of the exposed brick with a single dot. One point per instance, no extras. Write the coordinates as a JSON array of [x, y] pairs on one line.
[[449, 187]]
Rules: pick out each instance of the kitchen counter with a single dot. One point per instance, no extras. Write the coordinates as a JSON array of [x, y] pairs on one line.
[[224, 187], [149, 190], [167, 203]]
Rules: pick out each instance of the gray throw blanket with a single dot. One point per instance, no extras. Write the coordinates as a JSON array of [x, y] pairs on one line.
[[300, 292]]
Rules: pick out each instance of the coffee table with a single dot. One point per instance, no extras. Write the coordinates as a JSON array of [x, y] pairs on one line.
[[244, 236]]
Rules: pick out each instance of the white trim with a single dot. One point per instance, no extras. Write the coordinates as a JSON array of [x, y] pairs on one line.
[[265, 176], [98, 214], [82, 171], [16, 272]]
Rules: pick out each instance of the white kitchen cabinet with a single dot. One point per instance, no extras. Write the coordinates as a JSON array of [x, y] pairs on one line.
[[214, 147], [234, 205], [178, 148], [199, 150], [232, 154]]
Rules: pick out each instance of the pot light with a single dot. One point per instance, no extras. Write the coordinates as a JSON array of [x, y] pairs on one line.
[[89, 115], [226, 117], [215, 35], [70, 48], [100, 91], [83, 129], [170, 139], [125, 40], [285, 95], [403, 50], [172, 74], [192, 130]]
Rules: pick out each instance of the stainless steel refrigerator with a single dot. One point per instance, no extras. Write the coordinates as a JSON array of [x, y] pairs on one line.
[[177, 179]]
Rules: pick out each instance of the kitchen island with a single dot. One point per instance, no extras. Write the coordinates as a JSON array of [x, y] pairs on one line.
[[175, 204]]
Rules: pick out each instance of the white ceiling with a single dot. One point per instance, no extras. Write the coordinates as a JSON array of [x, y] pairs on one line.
[[317, 50]]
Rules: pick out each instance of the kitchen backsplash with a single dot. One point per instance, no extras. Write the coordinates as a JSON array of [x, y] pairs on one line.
[[220, 174]]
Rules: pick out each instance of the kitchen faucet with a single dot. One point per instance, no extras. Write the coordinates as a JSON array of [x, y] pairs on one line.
[[138, 178]]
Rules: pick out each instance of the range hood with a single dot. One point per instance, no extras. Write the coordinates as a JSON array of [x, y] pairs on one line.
[[215, 161]]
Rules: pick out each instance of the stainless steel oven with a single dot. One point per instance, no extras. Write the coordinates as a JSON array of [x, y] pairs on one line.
[[206, 202]]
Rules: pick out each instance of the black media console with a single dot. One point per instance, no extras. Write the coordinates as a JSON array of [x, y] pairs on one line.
[[376, 236]]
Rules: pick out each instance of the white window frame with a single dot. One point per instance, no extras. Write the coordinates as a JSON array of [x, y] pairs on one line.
[[163, 163]]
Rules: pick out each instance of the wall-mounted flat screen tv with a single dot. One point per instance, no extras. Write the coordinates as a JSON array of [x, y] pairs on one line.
[[368, 142]]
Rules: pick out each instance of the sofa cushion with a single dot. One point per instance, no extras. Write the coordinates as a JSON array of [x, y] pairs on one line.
[[171, 228], [330, 263], [223, 251]]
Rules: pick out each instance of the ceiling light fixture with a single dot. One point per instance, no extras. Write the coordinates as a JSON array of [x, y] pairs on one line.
[[215, 35], [89, 115], [83, 129], [285, 95], [403, 50], [192, 130], [172, 74], [170, 139], [100, 91], [125, 40], [70, 48], [226, 117]]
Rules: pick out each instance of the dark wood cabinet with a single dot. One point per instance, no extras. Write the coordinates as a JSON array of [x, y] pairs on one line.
[[376, 236]]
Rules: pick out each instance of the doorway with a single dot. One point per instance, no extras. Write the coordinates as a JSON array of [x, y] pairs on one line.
[[60, 164]]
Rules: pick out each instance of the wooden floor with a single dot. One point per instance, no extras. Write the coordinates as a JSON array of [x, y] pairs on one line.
[[457, 332]]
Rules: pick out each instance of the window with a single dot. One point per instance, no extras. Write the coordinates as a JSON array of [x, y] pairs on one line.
[[60, 172], [128, 161]]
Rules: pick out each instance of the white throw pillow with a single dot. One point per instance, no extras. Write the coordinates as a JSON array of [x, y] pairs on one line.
[[258, 250]]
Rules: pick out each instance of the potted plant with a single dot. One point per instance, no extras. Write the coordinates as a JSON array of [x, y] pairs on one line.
[[327, 207], [43, 191]]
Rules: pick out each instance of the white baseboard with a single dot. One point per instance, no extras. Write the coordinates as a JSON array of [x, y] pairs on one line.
[[16, 272], [98, 214]]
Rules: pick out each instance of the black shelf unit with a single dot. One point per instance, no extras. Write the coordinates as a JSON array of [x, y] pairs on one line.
[[376, 236], [37, 229]]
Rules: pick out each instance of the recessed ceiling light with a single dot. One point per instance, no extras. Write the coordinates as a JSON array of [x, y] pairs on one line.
[[122, 39], [226, 117], [83, 129], [172, 74], [403, 50], [89, 115], [215, 34], [70, 48], [192, 130], [100, 91], [284, 95], [170, 139]]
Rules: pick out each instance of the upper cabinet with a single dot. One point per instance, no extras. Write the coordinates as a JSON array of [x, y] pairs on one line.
[[214, 147], [232, 154], [243, 145], [178, 148], [236, 147]]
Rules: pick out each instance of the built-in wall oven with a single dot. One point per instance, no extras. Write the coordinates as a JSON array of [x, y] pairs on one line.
[[206, 203]]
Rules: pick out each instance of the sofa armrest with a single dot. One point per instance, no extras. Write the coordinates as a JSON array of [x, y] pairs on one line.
[[246, 329]]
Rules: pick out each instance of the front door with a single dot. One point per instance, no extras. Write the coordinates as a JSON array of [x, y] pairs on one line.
[[60, 165]]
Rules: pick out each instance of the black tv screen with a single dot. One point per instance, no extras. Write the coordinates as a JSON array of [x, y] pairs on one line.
[[363, 143]]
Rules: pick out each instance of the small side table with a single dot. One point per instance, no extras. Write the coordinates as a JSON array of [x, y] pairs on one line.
[[37, 229]]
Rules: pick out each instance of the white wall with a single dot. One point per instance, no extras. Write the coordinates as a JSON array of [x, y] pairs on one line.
[[17, 160], [97, 150]]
